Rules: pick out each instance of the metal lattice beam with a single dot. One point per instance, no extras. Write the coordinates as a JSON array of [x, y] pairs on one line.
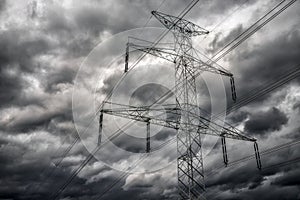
[[179, 25], [184, 116]]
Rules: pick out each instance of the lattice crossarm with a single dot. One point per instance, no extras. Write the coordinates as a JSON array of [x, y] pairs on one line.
[[164, 53], [225, 131], [231, 132], [143, 115], [179, 25], [210, 67], [200, 66], [213, 128]]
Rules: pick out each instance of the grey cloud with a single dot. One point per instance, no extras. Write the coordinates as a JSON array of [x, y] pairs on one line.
[[61, 27], [293, 134], [131, 144], [19, 51], [111, 81], [257, 67], [164, 135], [69, 34], [61, 76], [219, 42], [148, 94], [263, 122], [250, 179], [36, 118], [268, 61], [291, 178], [90, 18], [202, 9], [277, 60], [10, 87], [296, 106], [16, 58], [238, 117], [246, 182], [2, 5]]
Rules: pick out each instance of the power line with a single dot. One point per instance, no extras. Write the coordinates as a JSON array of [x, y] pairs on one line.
[[114, 183], [249, 27], [244, 31], [48, 170], [265, 89], [164, 33], [281, 164], [242, 35], [62, 188], [124, 174], [77, 138], [90, 156], [224, 19], [267, 151], [277, 165], [244, 159], [172, 140], [256, 28], [160, 5], [252, 26]]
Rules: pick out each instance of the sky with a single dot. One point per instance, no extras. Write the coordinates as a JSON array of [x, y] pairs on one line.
[[60, 59]]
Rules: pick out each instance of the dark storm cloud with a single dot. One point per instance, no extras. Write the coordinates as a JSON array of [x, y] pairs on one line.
[[61, 76], [16, 58], [201, 10], [93, 19], [16, 173], [249, 178], [246, 182], [256, 67], [130, 144], [268, 61], [220, 7], [10, 87], [296, 106], [238, 117], [72, 41], [71, 33], [164, 135], [2, 5], [71, 36], [148, 94], [291, 178], [294, 134], [19, 51], [138, 145], [219, 42], [37, 118], [274, 56], [111, 81], [262, 122], [39, 180]]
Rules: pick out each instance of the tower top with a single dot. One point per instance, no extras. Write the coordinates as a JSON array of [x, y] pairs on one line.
[[180, 25]]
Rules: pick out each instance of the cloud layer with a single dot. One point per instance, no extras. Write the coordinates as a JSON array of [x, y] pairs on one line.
[[43, 43]]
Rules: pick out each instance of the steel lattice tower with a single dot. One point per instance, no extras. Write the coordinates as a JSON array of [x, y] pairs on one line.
[[191, 125]]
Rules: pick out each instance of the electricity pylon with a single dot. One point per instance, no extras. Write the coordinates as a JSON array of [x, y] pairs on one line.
[[188, 122]]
